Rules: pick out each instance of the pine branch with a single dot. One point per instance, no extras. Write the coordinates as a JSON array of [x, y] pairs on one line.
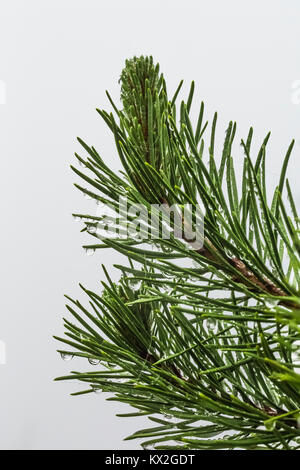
[[204, 348]]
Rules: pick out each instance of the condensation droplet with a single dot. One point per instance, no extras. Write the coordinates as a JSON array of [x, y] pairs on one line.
[[156, 247], [89, 251], [165, 413], [109, 221], [147, 446], [134, 284], [167, 249], [66, 356], [211, 324], [92, 228], [135, 234], [93, 361], [270, 425]]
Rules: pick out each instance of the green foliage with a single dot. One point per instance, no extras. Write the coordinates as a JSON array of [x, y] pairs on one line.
[[205, 342]]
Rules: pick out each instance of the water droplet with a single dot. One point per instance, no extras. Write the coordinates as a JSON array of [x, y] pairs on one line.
[[147, 446], [93, 361], [82, 164], [134, 234], [66, 356], [156, 247], [134, 284], [270, 425], [97, 389], [211, 324], [92, 228], [167, 249], [111, 365], [77, 218], [89, 251], [109, 221], [228, 253], [165, 413], [87, 196], [283, 401], [154, 382]]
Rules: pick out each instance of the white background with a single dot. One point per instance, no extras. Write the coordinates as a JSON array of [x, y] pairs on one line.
[[57, 59]]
